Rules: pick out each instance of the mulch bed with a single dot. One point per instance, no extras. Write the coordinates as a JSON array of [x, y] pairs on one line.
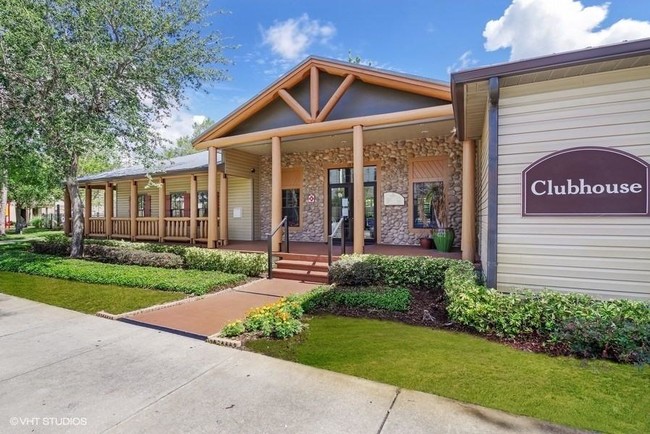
[[428, 309]]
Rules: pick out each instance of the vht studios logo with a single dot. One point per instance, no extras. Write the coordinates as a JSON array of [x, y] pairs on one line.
[[586, 181]]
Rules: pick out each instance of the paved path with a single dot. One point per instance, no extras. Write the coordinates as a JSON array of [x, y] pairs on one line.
[[207, 316], [62, 371]]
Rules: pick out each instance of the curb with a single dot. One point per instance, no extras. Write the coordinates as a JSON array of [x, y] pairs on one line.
[[225, 342]]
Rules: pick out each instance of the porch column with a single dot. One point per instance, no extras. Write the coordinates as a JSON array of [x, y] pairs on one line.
[[359, 200], [133, 209], [67, 209], [212, 197], [468, 236], [108, 209], [162, 193], [87, 209], [193, 207], [276, 190], [223, 209]]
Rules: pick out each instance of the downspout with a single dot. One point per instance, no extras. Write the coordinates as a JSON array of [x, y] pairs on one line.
[[493, 181]]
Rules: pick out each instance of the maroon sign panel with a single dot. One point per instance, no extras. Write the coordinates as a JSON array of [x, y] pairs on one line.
[[586, 181]]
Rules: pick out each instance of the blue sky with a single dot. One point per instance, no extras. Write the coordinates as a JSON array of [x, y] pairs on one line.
[[427, 38]]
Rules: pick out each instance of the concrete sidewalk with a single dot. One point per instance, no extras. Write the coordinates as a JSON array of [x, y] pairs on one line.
[[63, 371], [207, 316]]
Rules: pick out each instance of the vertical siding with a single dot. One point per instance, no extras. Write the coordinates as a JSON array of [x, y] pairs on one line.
[[482, 194], [240, 195], [245, 165], [122, 192], [603, 256]]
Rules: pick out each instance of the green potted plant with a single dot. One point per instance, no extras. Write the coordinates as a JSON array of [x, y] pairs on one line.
[[442, 234]]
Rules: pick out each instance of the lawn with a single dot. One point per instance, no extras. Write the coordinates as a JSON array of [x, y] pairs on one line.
[[27, 235], [593, 395], [13, 258], [83, 297]]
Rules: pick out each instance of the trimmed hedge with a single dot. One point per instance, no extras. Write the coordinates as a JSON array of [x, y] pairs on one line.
[[615, 329], [415, 272], [159, 255], [188, 281], [370, 297]]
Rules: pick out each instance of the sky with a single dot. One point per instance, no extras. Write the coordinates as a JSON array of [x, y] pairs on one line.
[[429, 38]]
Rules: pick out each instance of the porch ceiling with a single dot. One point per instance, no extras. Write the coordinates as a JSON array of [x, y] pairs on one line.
[[342, 139]]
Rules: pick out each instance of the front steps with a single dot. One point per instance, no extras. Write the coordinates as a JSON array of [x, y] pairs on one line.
[[302, 267]]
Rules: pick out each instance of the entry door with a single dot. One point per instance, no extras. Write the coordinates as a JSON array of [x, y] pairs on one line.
[[339, 197]]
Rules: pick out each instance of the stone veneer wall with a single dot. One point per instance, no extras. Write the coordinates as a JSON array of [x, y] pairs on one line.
[[392, 161]]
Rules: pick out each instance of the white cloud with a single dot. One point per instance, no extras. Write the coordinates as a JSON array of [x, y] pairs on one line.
[[178, 124], [464, 61], [538, 27], [290, 39]]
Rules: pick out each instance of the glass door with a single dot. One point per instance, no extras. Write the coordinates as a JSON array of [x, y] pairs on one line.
[[340, 199]]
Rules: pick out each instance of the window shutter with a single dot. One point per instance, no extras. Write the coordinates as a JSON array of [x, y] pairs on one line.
[[147, 205], [186, 204], [168, 205]]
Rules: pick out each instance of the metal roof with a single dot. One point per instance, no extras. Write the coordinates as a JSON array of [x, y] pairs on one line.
[[185, 163]]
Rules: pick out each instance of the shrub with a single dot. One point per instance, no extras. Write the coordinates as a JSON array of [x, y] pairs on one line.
[[313, 299], [36, 222], [233, 329], [617, 329], [373, 297], [57, 248], [250, 264], [416, 272], [117, 255]]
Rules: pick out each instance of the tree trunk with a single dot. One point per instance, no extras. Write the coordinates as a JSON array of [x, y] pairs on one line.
[[3, 201], [77, 227]]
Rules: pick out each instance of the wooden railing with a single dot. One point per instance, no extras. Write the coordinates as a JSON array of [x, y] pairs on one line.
[[121, 226], [147, 227], [202, 228], [97, 226], [177, 228]]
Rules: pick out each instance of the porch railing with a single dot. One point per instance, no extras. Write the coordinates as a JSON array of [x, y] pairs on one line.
[[121, 227], [177, 228], [147, 228], [202, 228], [330, 241], [284, 223], [97, 226]]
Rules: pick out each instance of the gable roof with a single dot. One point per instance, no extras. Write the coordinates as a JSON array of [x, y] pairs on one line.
[[389, 79]]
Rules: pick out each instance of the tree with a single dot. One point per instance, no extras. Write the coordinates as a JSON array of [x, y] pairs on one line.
[[183, 145], [89, 77]]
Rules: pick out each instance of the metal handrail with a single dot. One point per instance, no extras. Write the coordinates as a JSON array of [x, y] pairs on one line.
[[269, 242], [330, 241]]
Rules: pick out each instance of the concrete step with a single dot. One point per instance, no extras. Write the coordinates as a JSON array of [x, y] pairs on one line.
[[302, 265], [301, 275]]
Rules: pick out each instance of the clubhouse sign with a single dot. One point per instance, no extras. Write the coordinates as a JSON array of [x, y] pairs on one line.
[[586, 181]]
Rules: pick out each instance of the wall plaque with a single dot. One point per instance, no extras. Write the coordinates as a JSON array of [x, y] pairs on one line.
[[393, 199], [586, 181]]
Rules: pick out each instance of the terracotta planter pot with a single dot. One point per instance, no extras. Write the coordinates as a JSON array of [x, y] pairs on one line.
[[426, 243]]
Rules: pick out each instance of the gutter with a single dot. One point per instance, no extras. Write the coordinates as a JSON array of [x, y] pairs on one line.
[[493, 181]]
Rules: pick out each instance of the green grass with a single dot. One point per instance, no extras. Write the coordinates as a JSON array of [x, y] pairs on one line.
[[15, 259], [83, 297], [594, 395], [28, 234]]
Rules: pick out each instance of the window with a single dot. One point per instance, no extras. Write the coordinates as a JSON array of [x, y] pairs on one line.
[[425, 195], [202, 203], [291, 206], [142, 198], [177, 205]]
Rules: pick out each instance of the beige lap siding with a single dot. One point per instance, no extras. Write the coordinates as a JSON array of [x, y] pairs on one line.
[[603, 256], [240, 197], [245, 165], [122, 193]]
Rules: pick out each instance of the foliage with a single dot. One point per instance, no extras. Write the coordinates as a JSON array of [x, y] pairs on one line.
[[370, 297], [278, 320], [415, 272], [594, 395], [95, 77], [618, 329], [83, 297], [250, 264], [116, 255], [187, 281]]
